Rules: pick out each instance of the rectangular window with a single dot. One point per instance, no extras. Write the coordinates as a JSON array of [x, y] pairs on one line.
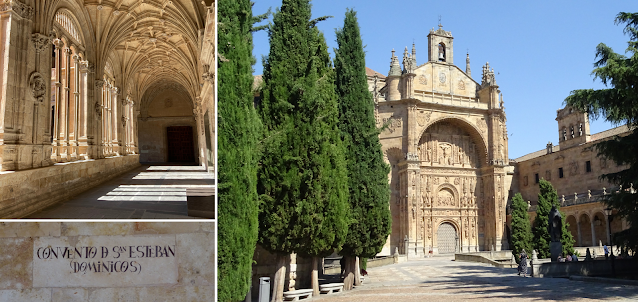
[[560, 172], [536, 178], [588, 166]]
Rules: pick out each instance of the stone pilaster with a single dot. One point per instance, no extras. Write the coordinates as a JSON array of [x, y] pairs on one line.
[[15, 128]]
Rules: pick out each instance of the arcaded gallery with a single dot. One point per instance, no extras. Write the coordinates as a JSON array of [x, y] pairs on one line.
[[93, 90]]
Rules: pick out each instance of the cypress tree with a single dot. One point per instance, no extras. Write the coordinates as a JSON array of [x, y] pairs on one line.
[[521, 228], [547, 197], [302, 179], [617, 103], [367, 172], [238, 133]]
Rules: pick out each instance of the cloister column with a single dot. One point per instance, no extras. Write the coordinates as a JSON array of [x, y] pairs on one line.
[[56, 154], [98, 139], [66, 101], [115, 150], [608, 230], [593, 232], [580, 240], [83, 146], [76, 102]]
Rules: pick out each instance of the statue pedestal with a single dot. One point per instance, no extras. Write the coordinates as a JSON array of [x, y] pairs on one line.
[[555, 249]]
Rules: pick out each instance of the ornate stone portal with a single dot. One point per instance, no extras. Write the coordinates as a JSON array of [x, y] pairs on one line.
[[446, 142]]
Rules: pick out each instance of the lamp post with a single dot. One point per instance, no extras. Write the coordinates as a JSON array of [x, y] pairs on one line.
[[608, 212]]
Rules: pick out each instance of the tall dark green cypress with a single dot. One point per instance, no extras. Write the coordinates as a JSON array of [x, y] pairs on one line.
[[302, 175], [521, 228], [237, 155], [546, 198], [367, 172]]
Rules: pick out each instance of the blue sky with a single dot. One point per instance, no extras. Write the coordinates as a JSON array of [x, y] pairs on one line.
[[540, 50]]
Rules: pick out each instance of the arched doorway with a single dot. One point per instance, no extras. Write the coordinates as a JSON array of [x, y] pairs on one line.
[[180, 144], [585, 230], [447, 238]]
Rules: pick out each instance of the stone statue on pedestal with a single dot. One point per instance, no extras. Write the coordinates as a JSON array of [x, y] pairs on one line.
[[555, 228]]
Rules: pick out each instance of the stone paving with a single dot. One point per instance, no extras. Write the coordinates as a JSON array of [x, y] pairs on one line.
[[148, 192], [442, 279]]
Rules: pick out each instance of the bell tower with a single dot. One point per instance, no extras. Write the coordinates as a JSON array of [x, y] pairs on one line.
[[440, 48]]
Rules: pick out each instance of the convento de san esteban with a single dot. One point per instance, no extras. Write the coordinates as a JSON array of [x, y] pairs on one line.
[[451, 180], [91, 89]]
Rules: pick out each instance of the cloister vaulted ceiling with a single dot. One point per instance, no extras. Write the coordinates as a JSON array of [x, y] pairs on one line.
[[142, 43]]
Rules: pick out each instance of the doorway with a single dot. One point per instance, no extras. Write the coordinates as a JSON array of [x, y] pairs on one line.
[[447, 238], [180, 144]]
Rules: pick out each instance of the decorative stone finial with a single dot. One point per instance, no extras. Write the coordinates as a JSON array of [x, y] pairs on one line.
[[467, 65], [395, 69]]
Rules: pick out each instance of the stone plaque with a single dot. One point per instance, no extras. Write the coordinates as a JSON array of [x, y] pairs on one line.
[[104, 261]]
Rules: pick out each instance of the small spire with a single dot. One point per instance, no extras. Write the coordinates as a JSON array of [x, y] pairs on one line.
[[413, 55], [440, 26], [467, 65], [395, 69]]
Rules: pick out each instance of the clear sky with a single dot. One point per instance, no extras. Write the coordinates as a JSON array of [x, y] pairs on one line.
[[540, 50]]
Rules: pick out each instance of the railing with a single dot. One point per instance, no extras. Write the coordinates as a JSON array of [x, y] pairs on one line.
[[590, 196]]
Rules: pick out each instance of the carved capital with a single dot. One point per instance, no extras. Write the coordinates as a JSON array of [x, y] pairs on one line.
[[40, 42], [99, 83], [84, 66], [21, 9], [58, 43]]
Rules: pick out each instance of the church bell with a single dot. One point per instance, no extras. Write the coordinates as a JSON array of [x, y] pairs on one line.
[[441, 57]]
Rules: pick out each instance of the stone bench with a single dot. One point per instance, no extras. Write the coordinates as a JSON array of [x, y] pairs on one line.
[[201, 202], [330, 288], [295, 295]]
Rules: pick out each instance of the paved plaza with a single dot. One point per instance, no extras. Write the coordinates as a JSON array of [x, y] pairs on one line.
[[442, 279], [148, 192]]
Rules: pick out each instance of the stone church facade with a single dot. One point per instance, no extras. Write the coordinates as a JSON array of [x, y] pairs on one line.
[[445, 138], [92, 88]]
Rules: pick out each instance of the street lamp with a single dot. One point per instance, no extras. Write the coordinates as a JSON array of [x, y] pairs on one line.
[[608, 212]]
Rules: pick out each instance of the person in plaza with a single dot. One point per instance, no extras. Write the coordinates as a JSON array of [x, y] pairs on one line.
[[574, 257], [561, 258], [569, 258], [606, 249], [522, 267]]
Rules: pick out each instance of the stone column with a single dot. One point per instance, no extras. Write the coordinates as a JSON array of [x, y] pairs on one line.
[[82, 111], [56, 155], [15, 28], [76, 104], [40, 90], [98, 130], [580, 239], [593, 232], [115, 150], [608, 231], [66, 102]]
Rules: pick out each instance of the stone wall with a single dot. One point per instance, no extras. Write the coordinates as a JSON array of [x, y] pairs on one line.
[[26, 192], [179, 267]]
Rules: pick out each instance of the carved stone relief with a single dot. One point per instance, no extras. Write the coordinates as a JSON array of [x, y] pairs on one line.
[[423, 117], [38, 86], [461, 85], [573, 168], [393, 123], [448, 145], [481, 125], [423, 80], [445, 198]]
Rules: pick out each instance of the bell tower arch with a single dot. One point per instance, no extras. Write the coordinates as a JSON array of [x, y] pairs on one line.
[[440, 47]]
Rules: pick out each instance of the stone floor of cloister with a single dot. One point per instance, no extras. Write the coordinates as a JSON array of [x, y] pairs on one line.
[[443, 279], [155, 191]]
